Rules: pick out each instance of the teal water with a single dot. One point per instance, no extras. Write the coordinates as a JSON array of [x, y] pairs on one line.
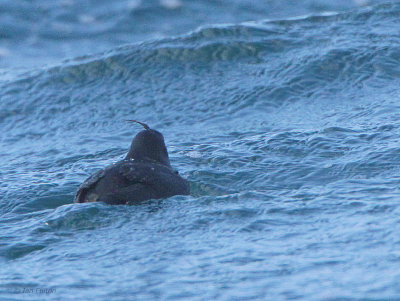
[[284, 117]]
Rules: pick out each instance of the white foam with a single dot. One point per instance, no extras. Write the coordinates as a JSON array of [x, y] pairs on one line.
[[171, 4]]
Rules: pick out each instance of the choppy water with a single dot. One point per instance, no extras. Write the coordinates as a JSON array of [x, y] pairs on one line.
[[284, 116]]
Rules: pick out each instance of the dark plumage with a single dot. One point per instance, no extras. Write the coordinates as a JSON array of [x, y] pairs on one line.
[[144, 174]]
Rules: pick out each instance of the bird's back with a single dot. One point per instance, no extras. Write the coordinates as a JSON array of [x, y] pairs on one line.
[[129, 182]]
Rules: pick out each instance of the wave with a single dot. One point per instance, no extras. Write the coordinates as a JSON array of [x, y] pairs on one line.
[[257, 64]]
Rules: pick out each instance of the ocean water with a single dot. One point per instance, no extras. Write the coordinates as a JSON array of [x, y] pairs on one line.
[[283, 115]]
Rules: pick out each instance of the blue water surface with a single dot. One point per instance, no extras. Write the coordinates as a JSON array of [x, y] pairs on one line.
[[283, 115]]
